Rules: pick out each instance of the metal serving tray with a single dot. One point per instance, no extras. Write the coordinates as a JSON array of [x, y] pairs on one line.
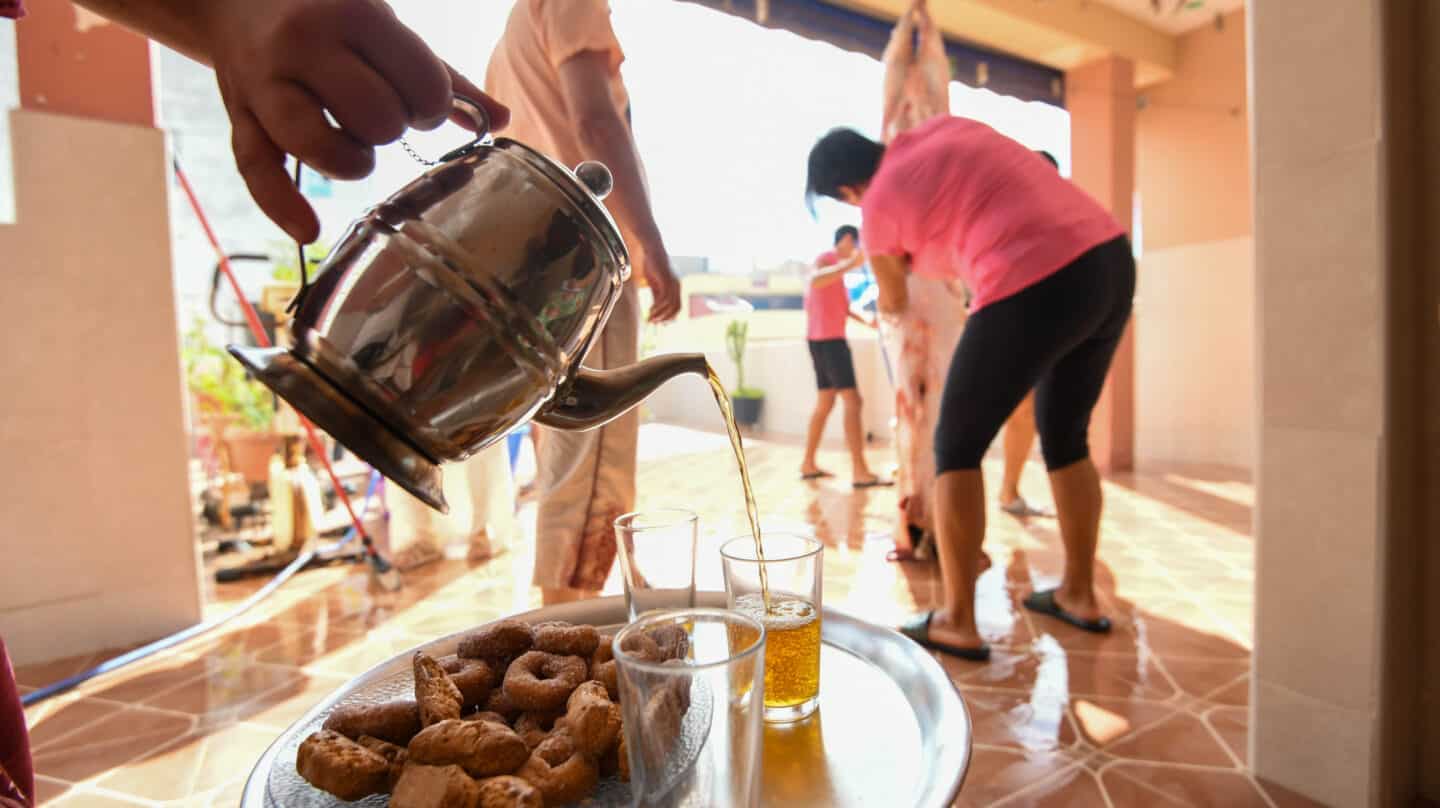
[[889, 724]]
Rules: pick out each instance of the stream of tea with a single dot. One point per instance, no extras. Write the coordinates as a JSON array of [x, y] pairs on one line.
[[722, 399]]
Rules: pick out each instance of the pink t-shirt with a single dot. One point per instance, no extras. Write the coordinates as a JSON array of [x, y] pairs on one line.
[[826, 306], [958, 198]]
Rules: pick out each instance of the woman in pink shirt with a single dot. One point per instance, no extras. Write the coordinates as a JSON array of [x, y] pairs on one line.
[[1051, 278]]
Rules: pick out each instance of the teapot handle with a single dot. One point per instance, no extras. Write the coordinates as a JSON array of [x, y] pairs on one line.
[[478, 117]]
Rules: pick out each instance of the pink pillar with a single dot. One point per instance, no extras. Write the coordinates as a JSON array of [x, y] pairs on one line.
[[75, 63], [1101, 99], [95, 428]]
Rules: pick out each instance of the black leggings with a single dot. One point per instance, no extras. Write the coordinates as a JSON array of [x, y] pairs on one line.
[[1056, 337]]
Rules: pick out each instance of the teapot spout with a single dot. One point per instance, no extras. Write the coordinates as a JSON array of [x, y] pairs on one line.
[[596, 397]]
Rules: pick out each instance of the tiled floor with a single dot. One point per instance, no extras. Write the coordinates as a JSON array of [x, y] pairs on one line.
[[1153, 714]]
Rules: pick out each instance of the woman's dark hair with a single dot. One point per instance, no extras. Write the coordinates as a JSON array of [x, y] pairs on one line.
[[847, 230], [842, 157]]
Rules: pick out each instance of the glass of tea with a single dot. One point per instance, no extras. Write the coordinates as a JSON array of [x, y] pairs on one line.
[[778, 584], [693, 718], [657, 559]]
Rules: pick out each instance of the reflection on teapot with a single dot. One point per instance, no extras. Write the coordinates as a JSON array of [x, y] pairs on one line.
[[458, 309]]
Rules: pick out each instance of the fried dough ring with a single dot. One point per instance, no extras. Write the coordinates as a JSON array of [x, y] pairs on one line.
[[541, 682], [486, 715], [608, 674], [557, 748], [534, 727], [604, 650], [502, 639], [566, 639], [501, 704], [507, 791], [642, 647], [570, 781], [672, 640], [474, 677], [592, 719]]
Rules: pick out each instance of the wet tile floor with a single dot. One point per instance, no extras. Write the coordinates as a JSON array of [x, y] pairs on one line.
[[1153, 714]]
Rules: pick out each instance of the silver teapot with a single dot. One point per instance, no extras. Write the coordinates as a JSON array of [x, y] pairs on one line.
[[458, 309]]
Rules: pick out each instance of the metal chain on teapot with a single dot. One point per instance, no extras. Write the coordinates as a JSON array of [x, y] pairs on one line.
[[416, 155], [478, 117]]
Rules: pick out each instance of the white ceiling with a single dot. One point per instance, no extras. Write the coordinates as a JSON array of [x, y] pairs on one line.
[[1174, 16]]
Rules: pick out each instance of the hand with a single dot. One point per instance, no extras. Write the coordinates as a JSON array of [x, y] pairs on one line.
[[664, 286], [282, 64]]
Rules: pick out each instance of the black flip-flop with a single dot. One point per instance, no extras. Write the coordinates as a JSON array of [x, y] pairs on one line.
[[1043, 602], [875, 483], [815, 475], [918, 629]]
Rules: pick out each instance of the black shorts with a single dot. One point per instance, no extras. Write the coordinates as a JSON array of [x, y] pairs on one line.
[[834, 369], [1056, 337]]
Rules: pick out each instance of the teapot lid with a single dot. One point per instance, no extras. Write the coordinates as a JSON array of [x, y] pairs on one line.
[[585, 186]]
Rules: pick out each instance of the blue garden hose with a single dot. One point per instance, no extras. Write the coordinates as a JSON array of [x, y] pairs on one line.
[[71, 682]]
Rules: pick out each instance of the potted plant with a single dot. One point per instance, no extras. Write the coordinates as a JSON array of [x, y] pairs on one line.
[[239, 411], [745, 401]]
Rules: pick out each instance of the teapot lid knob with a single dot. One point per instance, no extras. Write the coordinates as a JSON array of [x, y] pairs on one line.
[[595, 176]]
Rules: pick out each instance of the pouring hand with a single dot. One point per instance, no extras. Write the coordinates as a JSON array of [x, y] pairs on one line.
[[664, 288], [282, 65]]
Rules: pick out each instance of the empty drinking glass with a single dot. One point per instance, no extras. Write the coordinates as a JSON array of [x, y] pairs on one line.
[[657, 558], [693, 724]]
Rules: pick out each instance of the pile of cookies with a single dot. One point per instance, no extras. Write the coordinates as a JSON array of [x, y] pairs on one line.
[[521, 715]]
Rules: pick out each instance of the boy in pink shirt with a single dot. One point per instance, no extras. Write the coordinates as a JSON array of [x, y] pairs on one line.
[[827, 308], [1051, 278]]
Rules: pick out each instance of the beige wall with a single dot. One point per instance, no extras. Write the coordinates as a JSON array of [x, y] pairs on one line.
[[93, 485], [1324, 687], [1195, 354], [1195, 311], [782, 369]]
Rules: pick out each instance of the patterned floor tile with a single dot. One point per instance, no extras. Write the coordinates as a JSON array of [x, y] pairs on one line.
[[996, 774], [1173, 786]]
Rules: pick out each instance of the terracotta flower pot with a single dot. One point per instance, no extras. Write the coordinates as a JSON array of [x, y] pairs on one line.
[[250, 453]]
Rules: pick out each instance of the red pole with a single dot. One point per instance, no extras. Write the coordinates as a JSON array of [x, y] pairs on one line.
[[263, 341]]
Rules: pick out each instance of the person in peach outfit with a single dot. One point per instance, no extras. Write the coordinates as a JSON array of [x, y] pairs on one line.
[[558, 66]]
